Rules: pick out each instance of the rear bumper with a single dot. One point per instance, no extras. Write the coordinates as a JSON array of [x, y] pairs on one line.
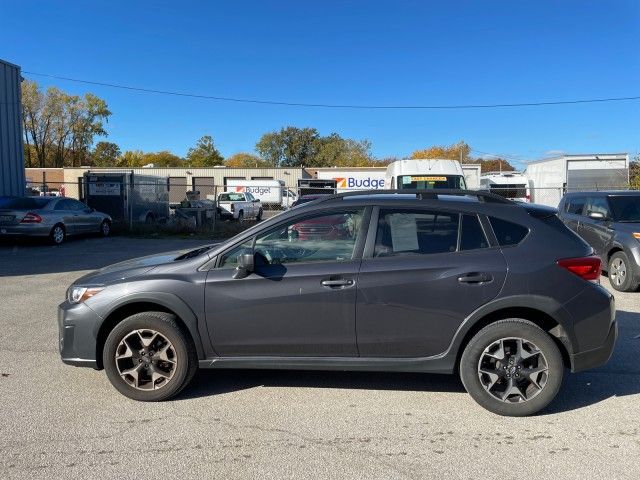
[[598, 356], [26, 229], [77, 332]]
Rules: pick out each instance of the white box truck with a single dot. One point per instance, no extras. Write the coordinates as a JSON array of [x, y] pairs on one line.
[[348, 180], [511, 185], [272, 192], [425, 174]]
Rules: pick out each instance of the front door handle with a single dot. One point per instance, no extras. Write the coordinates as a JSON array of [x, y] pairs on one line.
[[475, 278], [337, 283]]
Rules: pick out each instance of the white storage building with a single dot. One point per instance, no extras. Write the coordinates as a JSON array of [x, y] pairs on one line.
[[551, 178]]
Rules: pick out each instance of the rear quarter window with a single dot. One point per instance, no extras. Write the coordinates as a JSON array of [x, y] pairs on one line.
[[508, 233]]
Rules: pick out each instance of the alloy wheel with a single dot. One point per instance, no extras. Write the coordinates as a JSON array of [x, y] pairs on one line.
[[105, 229], [513, 370], [618, 271], [58, 234], [146, 359]]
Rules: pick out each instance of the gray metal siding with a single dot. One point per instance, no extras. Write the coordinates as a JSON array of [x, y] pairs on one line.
[[12, 179]]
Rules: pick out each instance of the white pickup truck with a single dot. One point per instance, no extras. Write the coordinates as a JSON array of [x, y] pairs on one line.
[[239, 206]]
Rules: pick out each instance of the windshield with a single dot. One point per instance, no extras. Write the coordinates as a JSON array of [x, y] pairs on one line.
[[509, 190], [625, 208], [26, 203], [428, 182]]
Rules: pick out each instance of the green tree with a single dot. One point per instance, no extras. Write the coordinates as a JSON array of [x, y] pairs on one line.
[[335, 151], [60, 127], [460, 151], [131, 159], [246, 160], [162, 159], [289, 147], [105, 154], [204, 154]]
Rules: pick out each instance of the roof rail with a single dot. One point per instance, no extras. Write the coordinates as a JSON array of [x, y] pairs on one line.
[[482, 195]]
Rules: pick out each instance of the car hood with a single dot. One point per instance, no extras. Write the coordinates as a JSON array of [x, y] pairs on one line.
[[130, 268], [627, 227]]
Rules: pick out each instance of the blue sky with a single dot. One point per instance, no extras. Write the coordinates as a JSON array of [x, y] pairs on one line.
[[340, 52]]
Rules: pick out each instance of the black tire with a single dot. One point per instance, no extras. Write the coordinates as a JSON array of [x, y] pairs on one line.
[[259, 216], [549, 381], [105, 228], [58, 234], [240, 216], [186, 360], [620, 273]]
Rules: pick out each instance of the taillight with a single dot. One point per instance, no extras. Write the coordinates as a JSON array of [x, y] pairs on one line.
[[587, 268], [31, 218]]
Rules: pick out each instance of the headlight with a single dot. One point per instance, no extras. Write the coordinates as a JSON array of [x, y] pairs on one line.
[[80, 294]]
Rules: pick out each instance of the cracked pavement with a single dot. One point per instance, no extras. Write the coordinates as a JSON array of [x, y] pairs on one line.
[[58, 421]]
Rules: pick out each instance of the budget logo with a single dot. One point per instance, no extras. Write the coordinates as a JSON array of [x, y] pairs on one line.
[[341, 182]]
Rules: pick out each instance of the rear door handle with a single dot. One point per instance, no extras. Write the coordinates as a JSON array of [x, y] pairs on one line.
[[338, 283], [475, 278]]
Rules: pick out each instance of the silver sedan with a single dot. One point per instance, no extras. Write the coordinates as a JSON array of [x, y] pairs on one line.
[[53, 217]]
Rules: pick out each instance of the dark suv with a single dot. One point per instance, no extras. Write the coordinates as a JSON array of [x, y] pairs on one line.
[[610, 223], [444, 282]]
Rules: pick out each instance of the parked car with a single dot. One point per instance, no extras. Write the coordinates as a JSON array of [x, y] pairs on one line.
[[309, 198], [239, 206], [449, 282], [53, 217], [610, 223]]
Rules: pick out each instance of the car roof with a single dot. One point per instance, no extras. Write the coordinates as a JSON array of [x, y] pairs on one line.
[[604, 193]]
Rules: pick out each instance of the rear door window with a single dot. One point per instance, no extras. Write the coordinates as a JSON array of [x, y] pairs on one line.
[[415, 232], [508, 233], [472, 236]]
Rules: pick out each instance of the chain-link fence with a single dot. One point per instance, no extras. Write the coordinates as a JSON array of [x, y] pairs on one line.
[[150, 204]]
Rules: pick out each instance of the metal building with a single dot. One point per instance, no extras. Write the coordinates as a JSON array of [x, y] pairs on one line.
[[551, 178], [12, 180]]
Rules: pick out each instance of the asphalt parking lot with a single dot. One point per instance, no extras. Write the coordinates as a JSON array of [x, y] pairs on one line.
[[63, 422]]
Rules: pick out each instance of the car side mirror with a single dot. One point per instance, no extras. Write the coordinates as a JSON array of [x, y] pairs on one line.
[[596, 215], [245, 266], [255, 200]]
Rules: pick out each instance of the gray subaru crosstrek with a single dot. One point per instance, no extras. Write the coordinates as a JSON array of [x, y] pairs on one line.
[[413, 281]]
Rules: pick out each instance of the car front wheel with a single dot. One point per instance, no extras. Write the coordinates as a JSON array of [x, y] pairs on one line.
[[620, 273], [148, 357], [512, 367], [105, 228]]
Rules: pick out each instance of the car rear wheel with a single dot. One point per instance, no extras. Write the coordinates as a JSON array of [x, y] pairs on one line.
[[105, 228], [58, 234], [620, 273], [512, 367], [240, 216], [148, 357], [259, 216]]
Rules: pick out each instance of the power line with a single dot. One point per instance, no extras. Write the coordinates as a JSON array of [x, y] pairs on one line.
[[345, 106]]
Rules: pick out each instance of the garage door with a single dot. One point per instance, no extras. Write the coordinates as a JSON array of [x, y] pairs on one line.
[[596, 179], [205, 185], [177, 189]]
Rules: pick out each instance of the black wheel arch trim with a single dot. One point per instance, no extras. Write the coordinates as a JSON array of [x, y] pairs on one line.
[[548, 306], [172, 303]]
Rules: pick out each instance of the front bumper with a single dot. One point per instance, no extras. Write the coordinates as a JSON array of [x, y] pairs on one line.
[[598, 356], [78, 327]]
